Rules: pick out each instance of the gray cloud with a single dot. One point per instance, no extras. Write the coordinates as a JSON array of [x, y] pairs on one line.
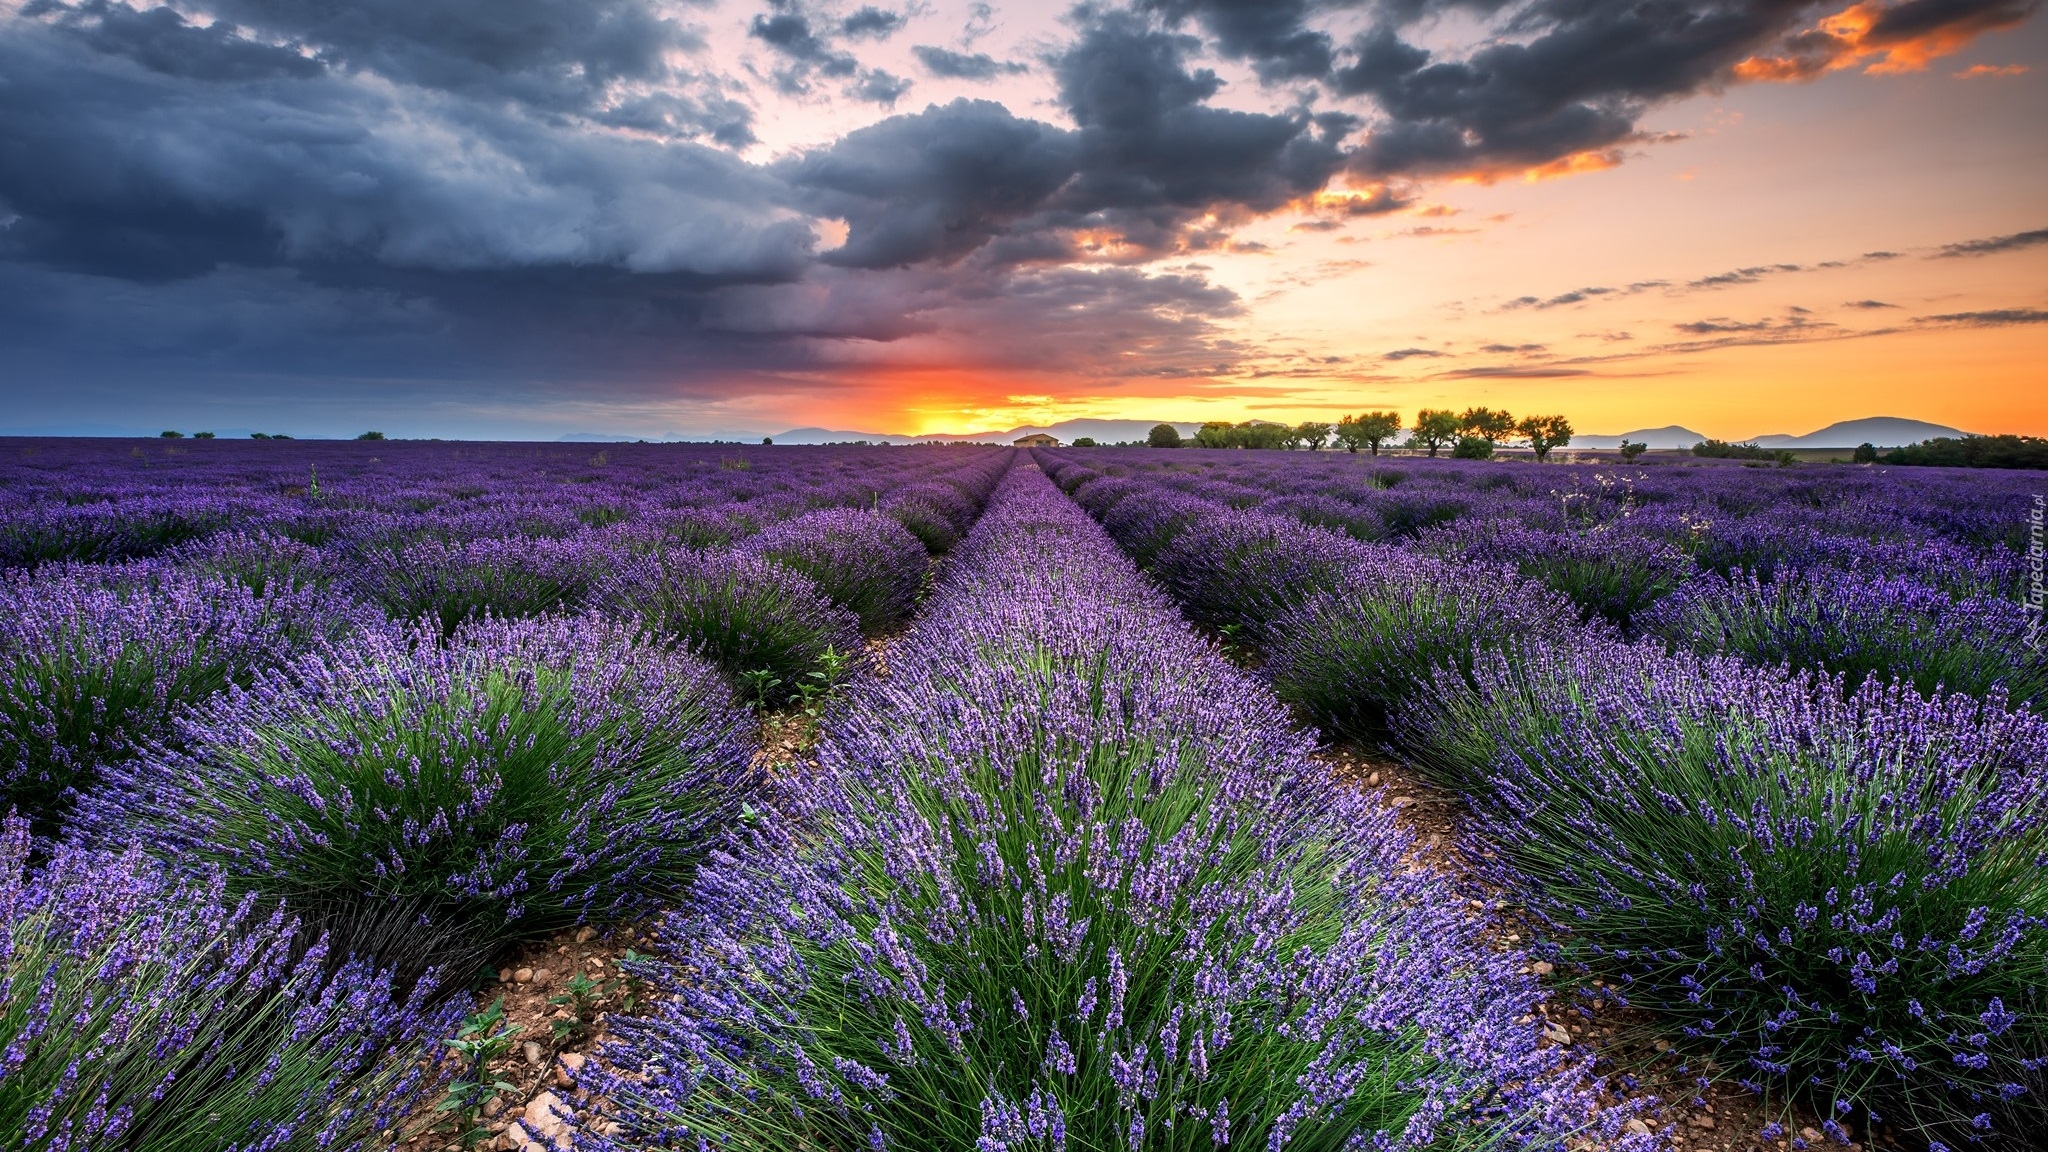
[[1995, 244], [951, 65]]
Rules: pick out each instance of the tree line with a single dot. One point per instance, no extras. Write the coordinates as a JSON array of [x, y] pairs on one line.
[[1473, 434]]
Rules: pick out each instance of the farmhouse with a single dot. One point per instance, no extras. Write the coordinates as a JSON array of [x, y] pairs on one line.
[[1037, 440]]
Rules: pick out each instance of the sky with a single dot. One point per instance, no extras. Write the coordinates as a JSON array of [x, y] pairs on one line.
[[526, 218]]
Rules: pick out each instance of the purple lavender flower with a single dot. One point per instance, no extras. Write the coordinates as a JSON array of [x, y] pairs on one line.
[[147, 1009], [862, 561], [95, 661], [1838, 894], [1066, 878], [747, 614], [523, 776]]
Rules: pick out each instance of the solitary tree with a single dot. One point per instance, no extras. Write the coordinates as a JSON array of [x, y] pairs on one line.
[[170, 434], [1490, 425], [1545, 433], [1631, 450], [371, 436], [1368, 429], [1435, 430], [767, 441], [1084, 441], [1314, 434], [1163, 436], [1866, 453]]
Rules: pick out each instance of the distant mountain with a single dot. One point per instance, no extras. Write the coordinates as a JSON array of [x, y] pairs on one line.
[[1669, 436], [1883, 431]]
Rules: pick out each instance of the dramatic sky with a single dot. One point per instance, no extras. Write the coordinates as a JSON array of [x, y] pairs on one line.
[[529, 217]]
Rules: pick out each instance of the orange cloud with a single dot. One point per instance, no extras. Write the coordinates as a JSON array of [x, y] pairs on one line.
[[1980, 71], [1576, 164], [1881, 39]]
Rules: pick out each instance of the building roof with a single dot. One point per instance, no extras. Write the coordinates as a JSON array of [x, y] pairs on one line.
[[1038, 440]]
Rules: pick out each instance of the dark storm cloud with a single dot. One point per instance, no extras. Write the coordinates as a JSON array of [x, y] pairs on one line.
[[1272, 34], [948, 64], [1995, 244], [1149, 139], [1148, 155], [935, 185], [562, 57]]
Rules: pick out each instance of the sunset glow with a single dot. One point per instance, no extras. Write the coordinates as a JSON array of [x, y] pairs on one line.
[[656, 218]]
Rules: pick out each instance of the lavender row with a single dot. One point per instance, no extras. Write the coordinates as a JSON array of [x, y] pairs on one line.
[[1065, 878], [1833, 887], [346, 813], [1914, 574], [106, 500]]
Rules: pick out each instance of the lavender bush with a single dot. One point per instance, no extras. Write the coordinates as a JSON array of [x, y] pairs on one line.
[[1860, 626], [1246, 569], [519, 778], [144, 1009], [1066, 879], [94, 662], [745, 613], [1351, 654], [449, 583], [1840, 895], [862, 561]]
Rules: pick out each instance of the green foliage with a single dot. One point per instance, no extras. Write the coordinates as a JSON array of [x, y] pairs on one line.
[[767, 441], [1629, 450], [371, 436], [1974, 452], [202, 435], [1866, 453], [1472, 448], [1488, 424], [1722, 450], [1313, 434], [1249, 434], [168, 434], [1367, 430], [1544, 433], [1435, 429], [1084, 441], [1163, 436], [483, 1037]]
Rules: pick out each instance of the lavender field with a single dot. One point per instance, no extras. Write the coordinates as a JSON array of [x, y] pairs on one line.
[[992, 799]]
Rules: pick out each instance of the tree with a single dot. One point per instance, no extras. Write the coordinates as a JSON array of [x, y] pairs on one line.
[[168, 434], [1545, 433], [1370, 429], [1434, 430], [371, 436], [1490, 425], [1866, 453], [1630, 451], [259, 435], [1473, 448], [1163, 436], [202, 435], [1216, 434], [1084, 441], [767, 441], [1313, 433]]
